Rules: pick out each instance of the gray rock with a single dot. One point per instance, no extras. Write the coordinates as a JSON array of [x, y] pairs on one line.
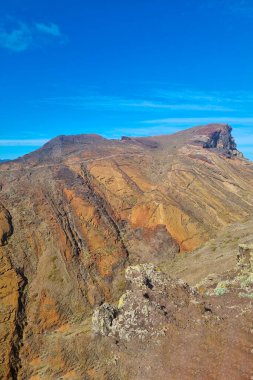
[[245, 256], [146, 308]]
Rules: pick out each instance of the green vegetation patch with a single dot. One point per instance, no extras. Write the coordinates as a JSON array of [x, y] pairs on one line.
[[222, 288], [246, 295]]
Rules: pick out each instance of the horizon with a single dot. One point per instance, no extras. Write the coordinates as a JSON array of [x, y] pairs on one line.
[[137, 69]]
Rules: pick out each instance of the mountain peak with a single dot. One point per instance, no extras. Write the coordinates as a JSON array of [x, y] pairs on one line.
[[74, 139]]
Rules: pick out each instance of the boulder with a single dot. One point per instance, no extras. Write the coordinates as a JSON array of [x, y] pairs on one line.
[[146, 308], [245, 256]]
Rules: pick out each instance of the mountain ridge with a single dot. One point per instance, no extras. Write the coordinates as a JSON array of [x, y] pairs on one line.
[[212, 136]]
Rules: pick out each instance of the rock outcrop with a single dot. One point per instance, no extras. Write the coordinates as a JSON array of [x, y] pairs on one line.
[[146, 308], [6, 228], [245, 256], [163, 328], [222, 140]]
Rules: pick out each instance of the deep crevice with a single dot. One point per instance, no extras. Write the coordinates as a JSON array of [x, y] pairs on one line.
[[103, 207]]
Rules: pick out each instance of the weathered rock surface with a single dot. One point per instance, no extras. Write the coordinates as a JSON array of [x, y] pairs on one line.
[[146, 308], [83, 208], [245, 256], [11, 318], [5, 225], [162, 328]]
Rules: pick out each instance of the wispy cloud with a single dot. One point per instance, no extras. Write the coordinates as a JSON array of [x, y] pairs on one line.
[[18, 39], [118, 103], [228, 98], [18, 36], [176, 124], [201, 120], [159, 99], [240, 7], [232, 7], [51, 29], [19, 142]]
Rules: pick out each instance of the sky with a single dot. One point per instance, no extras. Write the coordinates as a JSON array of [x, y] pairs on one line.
[[123, 67]]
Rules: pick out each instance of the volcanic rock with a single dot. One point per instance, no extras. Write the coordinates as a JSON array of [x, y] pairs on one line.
[[145, 309]]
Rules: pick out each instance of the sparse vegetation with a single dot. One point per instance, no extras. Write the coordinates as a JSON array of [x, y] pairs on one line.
[[221, 288], [246, 295], [220, 291], [247, 281]]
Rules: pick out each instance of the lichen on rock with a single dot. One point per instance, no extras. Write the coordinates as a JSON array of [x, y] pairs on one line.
[[146, 276], [102, 319], [146, 307], [245, 256]]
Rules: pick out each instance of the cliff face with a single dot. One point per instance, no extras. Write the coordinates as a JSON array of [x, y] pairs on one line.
[[78, 211], [222, 140]]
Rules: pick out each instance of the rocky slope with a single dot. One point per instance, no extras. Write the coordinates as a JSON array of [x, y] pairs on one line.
[[164, 329], [79, 211]]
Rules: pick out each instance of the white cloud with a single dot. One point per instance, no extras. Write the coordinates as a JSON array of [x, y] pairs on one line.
[[17, 39], [202, 120], [163, 100], [27, 142], [119, 103], [51, 29], [19, 36]]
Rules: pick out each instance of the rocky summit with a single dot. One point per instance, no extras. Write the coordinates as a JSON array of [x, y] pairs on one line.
[[128, 259]]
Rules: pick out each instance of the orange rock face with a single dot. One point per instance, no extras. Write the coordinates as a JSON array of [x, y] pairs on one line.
[[79, 210]]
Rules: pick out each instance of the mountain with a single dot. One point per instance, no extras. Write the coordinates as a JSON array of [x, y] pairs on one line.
[[94, 233]]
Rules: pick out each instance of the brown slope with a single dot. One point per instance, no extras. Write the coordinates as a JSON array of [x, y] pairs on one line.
[[82, 207]]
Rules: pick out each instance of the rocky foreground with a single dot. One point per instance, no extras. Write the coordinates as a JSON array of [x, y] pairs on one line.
[[163, 328], [93, 236]]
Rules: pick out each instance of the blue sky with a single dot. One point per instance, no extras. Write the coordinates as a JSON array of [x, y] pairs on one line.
[[132, 67]]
